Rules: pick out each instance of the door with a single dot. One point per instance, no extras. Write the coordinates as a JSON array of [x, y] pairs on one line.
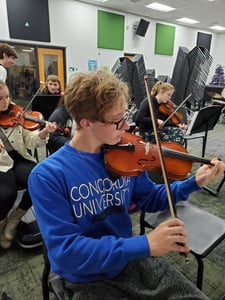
[[51, 61]]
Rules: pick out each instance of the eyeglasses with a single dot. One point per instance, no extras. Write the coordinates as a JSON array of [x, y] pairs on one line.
[[119, 124]]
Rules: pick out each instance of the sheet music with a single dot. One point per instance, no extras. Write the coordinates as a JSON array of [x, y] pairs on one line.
[[190, 126]]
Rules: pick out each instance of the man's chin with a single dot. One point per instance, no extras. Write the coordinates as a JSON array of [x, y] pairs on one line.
[[114, 141]]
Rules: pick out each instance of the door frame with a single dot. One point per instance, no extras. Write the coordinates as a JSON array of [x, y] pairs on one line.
[[60, 54]]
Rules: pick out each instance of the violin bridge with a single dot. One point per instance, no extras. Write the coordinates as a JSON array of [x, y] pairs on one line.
[[147, 147]]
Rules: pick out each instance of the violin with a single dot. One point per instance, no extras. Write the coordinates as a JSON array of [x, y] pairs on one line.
[[31, 120], [168, 109], [133, 156], [15, 116]]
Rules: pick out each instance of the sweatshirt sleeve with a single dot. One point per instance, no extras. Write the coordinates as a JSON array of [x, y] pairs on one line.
[[152, 197]]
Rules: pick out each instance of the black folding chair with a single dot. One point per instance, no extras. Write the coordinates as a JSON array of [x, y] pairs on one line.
[[205, 231]]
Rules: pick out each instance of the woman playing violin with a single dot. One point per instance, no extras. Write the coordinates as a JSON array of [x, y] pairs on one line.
[[83, 213], [161, 93], [16, 164]]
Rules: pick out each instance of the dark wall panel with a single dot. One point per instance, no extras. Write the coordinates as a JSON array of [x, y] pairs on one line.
[[28, 20]]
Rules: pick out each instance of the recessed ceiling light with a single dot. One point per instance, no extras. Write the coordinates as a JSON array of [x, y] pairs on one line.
[[217, 27], [101, 0], [187, 21], [159, 6]]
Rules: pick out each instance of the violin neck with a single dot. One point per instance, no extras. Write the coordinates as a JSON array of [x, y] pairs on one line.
[[34, 119], [185, 156], [126, 147]]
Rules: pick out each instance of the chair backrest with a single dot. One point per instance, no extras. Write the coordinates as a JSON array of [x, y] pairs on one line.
[[54, 284], [45, 274], [205, 230]]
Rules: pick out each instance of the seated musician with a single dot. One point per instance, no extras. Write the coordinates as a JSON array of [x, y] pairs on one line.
[[52, 86], [15, 165], [161, 93], [48, 97], [65, 129], [83, 213]]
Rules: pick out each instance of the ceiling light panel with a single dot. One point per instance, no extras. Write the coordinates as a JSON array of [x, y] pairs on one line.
[[187, 21], [217, 27], [101, 1], [160, 7]]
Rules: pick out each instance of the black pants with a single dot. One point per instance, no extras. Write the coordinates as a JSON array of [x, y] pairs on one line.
[[11, 181]]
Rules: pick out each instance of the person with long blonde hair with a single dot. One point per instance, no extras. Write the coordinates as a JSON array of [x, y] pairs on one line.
[[161, 93], [16, 162]]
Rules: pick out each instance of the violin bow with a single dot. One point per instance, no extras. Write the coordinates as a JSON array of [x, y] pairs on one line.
[[162, 162], [177, 108], [32, 99]]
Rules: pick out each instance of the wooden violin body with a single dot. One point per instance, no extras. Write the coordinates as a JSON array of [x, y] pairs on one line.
[[15, 116], [31, 120], [168, 109], [133, 156]]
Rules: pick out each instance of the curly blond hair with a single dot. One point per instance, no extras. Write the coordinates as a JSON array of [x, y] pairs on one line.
[[92, 95]]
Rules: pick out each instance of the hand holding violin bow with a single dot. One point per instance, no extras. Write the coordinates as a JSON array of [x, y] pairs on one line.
[[168, 236]]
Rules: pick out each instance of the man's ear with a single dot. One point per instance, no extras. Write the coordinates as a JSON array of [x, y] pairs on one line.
[[85, 123]]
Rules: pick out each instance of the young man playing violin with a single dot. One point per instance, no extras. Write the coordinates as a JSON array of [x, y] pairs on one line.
[[161, 93], [15, 166], [83, 213]]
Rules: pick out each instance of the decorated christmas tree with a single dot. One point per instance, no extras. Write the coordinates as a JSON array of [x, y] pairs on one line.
[[218, 77]]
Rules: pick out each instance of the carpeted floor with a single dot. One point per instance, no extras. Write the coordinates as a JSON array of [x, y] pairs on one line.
[[20, 270]]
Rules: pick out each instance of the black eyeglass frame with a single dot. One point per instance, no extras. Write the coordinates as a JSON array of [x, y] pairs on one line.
[[119, 124]]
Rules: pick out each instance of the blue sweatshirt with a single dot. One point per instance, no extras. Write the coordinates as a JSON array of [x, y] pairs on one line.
[[83, 215]]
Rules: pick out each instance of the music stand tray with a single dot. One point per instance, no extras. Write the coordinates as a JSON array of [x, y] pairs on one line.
[[202, 121]]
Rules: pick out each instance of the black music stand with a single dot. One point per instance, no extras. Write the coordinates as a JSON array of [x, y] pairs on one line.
[[202, 121], [45, 104]]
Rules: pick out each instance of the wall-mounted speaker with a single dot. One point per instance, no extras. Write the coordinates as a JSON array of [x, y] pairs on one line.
[[28, 20], [142, 27]]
